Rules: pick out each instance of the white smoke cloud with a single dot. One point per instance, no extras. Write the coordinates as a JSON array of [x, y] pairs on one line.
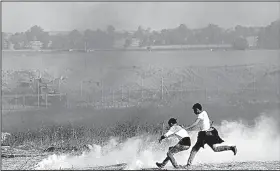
[[259, 142]]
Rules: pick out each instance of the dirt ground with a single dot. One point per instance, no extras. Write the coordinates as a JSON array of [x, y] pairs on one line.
[[16, 159], [28, 163], [20, 163], [256, 165]]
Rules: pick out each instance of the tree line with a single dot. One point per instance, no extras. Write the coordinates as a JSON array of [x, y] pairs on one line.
[[267, 37]]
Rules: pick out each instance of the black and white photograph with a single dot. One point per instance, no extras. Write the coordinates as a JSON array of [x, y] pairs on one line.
[[140, 85]]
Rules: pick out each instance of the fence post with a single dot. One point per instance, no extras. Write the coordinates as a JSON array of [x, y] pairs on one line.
[[141, 88], [191, 76], [205, 85], [113, 98], [128, 98], [38, 94], [205, 93], [181, 87], [162, 83], [218, 87], [161, 86], [122, 95], [278, 84], [23, 100], [254, 84], [59, 90], [16, 99], [278, 89], [67, 101], [102, 93], [81, 88], [251, 72], [46, 100]]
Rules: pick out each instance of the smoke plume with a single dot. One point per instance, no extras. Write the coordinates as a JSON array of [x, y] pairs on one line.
[[259, 142]]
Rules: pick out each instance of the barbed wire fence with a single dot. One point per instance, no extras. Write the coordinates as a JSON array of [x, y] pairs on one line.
[[154, 85]]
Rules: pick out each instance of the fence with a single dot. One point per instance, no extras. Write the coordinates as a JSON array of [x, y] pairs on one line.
[[32, 101], [161, 86]]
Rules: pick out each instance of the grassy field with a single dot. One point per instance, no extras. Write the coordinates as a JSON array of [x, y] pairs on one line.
[[227, 93]]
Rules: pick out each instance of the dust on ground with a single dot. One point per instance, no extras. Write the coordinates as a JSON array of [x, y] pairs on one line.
[[254, 165], [18, 159]]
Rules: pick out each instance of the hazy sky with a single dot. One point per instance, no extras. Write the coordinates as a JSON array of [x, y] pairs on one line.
[[63, 16]]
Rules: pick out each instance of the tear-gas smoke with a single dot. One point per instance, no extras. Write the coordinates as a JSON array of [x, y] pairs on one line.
[[255, 143]]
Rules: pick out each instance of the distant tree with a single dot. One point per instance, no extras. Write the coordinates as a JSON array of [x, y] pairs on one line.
[[4, 35], [182, 33], [101, 39], [59, 42], [146, 37], [110, 29], [148, 30], [212, 34], [127, 42], [239, 31], [88, 38], [37, 33], [165, 36], [74, 35], [34, 33], [111, 35], [19, 40], [76, 40], [240, 43], [139, 33], [244, 31], [268, 37], [45, 39], [174, 37], [155, 38]]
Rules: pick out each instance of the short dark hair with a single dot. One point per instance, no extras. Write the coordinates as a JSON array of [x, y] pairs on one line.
[[197, 106], [172, 121]]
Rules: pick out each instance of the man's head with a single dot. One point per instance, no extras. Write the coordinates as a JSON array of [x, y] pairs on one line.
[[197, 108], [172, 122]]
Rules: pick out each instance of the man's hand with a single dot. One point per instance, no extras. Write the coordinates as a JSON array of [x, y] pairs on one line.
[[183, 126], [211, 123], [189, 128], [161, 138]]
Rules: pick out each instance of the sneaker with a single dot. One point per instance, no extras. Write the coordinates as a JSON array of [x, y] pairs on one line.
[[234, 149], [160, 165], [177, 167], [187, 167]]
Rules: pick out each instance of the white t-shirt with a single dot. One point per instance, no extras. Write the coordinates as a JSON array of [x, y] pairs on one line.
[[178, 131], [205, 125]]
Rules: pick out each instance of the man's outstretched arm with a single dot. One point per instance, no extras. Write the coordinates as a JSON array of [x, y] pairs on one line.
[[188, 128], [166, 135]]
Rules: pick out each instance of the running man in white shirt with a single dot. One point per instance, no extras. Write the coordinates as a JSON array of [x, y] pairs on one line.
[[207, 134], [183, 144]]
